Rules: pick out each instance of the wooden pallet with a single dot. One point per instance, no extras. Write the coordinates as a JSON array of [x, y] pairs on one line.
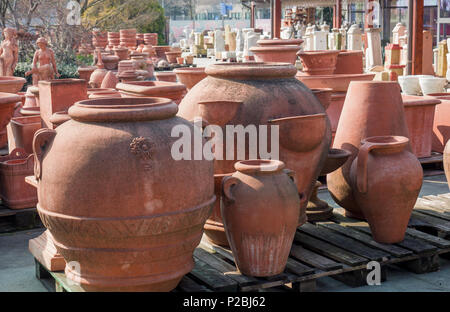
[[12, 220]]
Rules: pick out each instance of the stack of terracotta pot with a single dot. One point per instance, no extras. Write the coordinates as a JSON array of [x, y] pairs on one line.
[[113, 39], [277, 50], [151, 39], [99, 39], [139, 39], [128, 37]]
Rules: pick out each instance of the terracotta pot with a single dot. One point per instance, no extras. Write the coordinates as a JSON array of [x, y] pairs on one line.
[[110, 61], [97, 77], [189, 59], [30, 111], [151, 38], [190, 76], [214, 229], [149, 50], [260, 210], [275, 42], [410, 84], [446, 162], [334, 110], [419, 115], [371, 108], [172, 56], [276, 53], [86, 72], [104, 94], [59, 118], [121, 53], [339, 83], [14, 191], [109, 222], [383, 166], [8, 103], [128, 76], [58, 95], [441, 122], [11, 84], [180, 60], [323, 95], [109, 81], [166, 76], [170, 90], [318, 62], [93, 90], [21, 131], [161, 51], [264, 94], [125, 65], [349, 62]]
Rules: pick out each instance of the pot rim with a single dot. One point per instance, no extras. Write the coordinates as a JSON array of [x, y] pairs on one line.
[[12, 79], [275, 48], [318, 52], [63, 81], [190, 70], [276, 41], [9, 98], [251, 70], [386, 141], [259, 166]]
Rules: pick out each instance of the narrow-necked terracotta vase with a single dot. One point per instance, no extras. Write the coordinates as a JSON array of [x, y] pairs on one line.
[[260, 213], [386, 180]]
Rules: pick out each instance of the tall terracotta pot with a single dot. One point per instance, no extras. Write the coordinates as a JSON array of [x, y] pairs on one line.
[[111, 208], [371, 108], [386, 180], [268, 94], [260, 209]]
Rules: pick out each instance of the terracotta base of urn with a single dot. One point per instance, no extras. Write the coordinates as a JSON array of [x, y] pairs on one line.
[[43, 250]]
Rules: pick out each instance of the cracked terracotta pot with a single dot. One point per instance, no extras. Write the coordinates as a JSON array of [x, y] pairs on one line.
[[14, 191], [276, 53], [260, 213], [170, 90], [137, 236], [318, 62], [441, 122], [419, 115], [190, 76], [371, 108], [264, 94], [349, 62], [10, 84], [385, 166], [21, 131]]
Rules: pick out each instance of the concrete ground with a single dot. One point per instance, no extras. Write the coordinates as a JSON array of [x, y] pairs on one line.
[[17, 264]]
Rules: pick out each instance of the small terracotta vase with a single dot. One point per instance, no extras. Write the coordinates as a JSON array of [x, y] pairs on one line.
[[386, 180], [260, 213], [276, 53], [190, 76], [318, 62]]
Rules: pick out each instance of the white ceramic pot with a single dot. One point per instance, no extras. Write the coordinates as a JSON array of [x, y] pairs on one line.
[[410, 84], [432, 84]]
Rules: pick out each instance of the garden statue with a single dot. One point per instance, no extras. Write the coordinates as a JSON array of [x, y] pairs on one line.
[[9, 52], [47, 65]]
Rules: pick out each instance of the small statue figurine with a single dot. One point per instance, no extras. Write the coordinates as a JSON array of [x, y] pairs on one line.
[[9, 52], [47, 65]]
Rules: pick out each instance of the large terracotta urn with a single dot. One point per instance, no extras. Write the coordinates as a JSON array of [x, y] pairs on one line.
[[264, 94], [108, 195], [386, 179], [260, 213], [371, 108]]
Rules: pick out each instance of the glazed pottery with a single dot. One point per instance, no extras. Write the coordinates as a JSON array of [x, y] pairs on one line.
[[339, 83], [170, 90], [260, 213], [318, 62], [441, 123], [59, 118], [276, 53], [276, 41], [419, 115], [349, 62], [166, 76], [58, 95], [259, 94], [385, 166], [11, 84], [371, 108], [190, 76], [172, 56], [14, 191], [432, 84], [21, 131], [108, 222]]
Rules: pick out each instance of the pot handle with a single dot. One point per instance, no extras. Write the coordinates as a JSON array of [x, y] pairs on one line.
[[361, 166], [227, 185], [291, 174], [41, 139]]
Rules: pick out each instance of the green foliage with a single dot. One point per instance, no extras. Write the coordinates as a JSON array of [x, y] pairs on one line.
[[158, 25], [67, 70], [21, 69], [84, 60]]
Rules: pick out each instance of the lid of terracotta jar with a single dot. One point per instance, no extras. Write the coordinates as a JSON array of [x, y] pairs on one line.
[[251, 70], [123, 109]]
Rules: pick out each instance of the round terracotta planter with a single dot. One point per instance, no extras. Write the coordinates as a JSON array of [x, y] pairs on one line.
[[9, 84], [282, 42], [318, 62], [339, 83], [349, 62], [276, 53], [264, 94], [170, 90], [385, 166], [190, 76], [365, 102], [129, 231], [260, 213], [166, 76], [172, 56]]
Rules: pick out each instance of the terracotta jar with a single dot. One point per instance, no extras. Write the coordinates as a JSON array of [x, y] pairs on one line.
[[86, 72], [14, 191], [21, 131], [349, 62], [264, 94], [276, 53], [276, 41], [419, 115], [190, 76], [371, 108], [441, 122], [318, 62], [137, 236], [385, 166], [110, 80], [110, 61], [10, 84], [260, 213], [166, 76], [121, 53], [59, 118], [170, 90], [172, 56], [97, 77]]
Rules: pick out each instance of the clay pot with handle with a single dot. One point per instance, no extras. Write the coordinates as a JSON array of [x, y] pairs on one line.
[[260, 213], [386, 180]]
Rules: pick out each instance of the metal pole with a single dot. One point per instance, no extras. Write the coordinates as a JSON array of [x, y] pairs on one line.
[[410, 23]]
